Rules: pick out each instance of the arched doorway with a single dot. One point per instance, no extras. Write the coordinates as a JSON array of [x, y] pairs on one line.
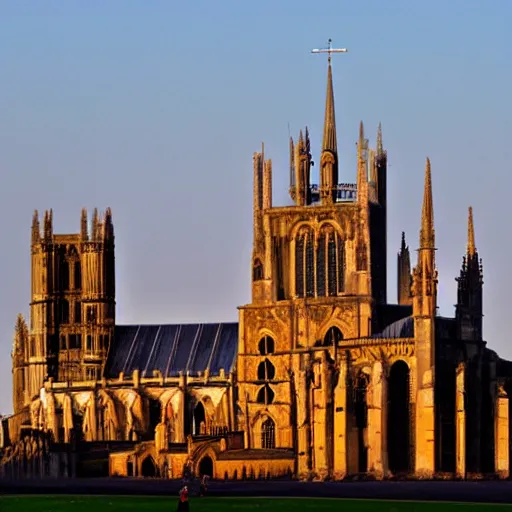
[[199, 418], [148, 468], [206, 466], [399, 448]]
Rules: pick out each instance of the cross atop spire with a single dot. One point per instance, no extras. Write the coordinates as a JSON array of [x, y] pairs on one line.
[[329, 50]]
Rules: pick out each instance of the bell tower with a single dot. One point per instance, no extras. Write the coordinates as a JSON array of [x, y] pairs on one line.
[[72, 312]]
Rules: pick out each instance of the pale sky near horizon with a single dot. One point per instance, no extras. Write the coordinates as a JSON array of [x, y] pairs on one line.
[[155, 109]]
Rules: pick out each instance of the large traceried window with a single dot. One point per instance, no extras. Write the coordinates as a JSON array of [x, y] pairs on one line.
[[320, 263]]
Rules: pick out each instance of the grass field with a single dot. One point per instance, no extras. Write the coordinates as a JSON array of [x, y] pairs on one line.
[[158, 504]]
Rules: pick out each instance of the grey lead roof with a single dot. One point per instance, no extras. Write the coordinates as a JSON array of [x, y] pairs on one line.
[[172, 349]]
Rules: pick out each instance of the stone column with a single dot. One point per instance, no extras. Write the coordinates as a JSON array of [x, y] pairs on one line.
[[460, 422], [376, 421], [425, 434], [302, 417], [501, 436], [340, 422], [180, 408], [319, 419]]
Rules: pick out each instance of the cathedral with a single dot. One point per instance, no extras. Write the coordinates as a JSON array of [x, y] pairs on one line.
[[320, 379]]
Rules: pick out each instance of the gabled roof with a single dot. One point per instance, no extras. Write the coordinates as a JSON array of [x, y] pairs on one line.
[[172, 349]]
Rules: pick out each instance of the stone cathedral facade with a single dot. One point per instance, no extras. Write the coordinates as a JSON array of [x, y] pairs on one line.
[[320, 379]]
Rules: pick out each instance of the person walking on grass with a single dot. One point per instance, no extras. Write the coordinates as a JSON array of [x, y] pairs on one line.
[[203, 487], [183, 505]]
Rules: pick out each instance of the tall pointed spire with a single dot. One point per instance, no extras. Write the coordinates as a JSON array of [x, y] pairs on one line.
[[329, 142], [362, 169], [471, 234], [427, 235], [404, 278], [360, 144], [403, 245], [380, 146]]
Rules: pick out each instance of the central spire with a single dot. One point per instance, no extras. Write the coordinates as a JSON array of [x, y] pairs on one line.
[[329, 158], [329, 142]]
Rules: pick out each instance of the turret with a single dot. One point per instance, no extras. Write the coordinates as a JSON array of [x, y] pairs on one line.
[[377, 190], [404, 279], [469, 308], [300, 169], [19, 361], [262, 200]]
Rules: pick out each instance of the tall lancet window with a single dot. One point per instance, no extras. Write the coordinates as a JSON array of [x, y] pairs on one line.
[[320, 265], [310, 266], [332, 267], [305, 263], [299, 266], [341, 265]]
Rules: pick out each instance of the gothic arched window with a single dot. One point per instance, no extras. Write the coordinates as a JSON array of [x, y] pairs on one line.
[[332, 337], [330, 263], [310, 267], [266, 370], [268, 434], [305, 263], [299, 266], [341, 265], [266, 346], [321, 266], [257, 271], [332, 266], [265, 395]]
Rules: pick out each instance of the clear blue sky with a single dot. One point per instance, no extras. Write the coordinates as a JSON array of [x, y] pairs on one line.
[[155, 109]]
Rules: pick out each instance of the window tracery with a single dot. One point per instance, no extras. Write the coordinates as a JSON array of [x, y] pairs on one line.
[[320, 263], [268, 434]]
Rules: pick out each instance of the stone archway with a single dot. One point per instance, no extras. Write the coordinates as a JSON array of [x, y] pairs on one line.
[[199, 419], [399, 427], [148, 467], [206, 466]]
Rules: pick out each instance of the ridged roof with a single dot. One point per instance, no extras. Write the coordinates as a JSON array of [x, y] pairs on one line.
[[172, 349]]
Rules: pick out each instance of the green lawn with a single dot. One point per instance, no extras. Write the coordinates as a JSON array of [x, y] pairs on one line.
[[156, 504]]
